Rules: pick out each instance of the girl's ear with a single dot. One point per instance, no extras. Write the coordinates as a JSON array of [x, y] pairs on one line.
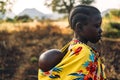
[[79, 26]]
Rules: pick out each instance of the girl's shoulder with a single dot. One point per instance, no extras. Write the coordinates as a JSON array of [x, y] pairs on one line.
[[75, 44]]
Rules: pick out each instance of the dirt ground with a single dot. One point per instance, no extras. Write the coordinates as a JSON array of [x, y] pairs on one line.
[[19, 52]]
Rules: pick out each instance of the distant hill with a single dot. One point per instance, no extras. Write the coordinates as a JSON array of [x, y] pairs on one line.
[[33, 13], [105, 12]]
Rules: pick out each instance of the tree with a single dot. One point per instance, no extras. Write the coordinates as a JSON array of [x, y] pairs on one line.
[[6, 5], [64, 6], [23, 18]]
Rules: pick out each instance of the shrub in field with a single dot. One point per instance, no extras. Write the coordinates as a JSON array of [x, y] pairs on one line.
[[115, 25], [115, 12], [9, 20], [113, 31], [24, 18]]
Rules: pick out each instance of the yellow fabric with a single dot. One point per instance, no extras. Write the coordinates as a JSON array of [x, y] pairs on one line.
[[80, 63]]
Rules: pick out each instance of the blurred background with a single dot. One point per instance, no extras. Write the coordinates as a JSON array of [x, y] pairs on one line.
[[30, 27]]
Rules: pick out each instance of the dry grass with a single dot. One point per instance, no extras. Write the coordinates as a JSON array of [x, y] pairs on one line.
[[22, 43]]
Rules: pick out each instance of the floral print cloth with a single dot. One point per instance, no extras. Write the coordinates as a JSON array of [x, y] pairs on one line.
[[81, 62]]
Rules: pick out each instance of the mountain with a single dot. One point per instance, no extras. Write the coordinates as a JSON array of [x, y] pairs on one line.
[[33, 13], [105, 12], [54, 16]]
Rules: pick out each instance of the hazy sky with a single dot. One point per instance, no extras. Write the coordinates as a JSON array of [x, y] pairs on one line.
[[20, 5]]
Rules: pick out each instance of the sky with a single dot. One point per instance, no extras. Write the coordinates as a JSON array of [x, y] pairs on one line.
[[20, 5]]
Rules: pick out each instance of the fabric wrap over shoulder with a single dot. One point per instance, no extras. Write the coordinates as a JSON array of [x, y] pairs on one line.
[[51, 58], [79, 63]]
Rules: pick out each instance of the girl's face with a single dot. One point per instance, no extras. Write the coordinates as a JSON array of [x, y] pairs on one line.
[[92, 31]]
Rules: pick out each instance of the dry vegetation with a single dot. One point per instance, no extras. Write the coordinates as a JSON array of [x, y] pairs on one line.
[[21, 44]]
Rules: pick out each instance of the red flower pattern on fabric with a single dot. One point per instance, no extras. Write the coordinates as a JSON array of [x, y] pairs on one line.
[[77, 50], [76, 41], [92, 67], [47, 73], [88, 77], [80, 71]]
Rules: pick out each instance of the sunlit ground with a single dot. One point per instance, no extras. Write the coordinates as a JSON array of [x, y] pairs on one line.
[[22, 43]]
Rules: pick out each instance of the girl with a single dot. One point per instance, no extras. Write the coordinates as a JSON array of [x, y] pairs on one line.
[[80, 62]]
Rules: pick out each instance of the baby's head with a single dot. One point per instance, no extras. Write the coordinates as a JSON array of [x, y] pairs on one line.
[[49, 59], [86, 22]]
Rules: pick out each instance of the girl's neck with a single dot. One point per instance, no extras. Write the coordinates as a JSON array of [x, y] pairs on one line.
[[81, 39]]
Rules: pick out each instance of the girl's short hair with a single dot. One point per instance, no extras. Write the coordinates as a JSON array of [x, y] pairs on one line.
[[81, 13]]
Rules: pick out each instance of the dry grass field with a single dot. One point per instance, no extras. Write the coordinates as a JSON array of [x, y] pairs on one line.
[[22, 43]]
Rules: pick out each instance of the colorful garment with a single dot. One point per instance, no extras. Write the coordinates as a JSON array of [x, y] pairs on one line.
[[80, 63]]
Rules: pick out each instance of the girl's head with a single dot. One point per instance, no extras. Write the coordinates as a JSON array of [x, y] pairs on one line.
[[86, 22]]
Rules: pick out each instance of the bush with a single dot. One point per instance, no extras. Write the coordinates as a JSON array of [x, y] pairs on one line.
[[115, 25], [112, 34], [24, 18], [111, 29], [34, 59], [9, 20], [115, 12]]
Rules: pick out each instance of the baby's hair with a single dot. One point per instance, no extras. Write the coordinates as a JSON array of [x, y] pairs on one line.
[[81, 13]]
